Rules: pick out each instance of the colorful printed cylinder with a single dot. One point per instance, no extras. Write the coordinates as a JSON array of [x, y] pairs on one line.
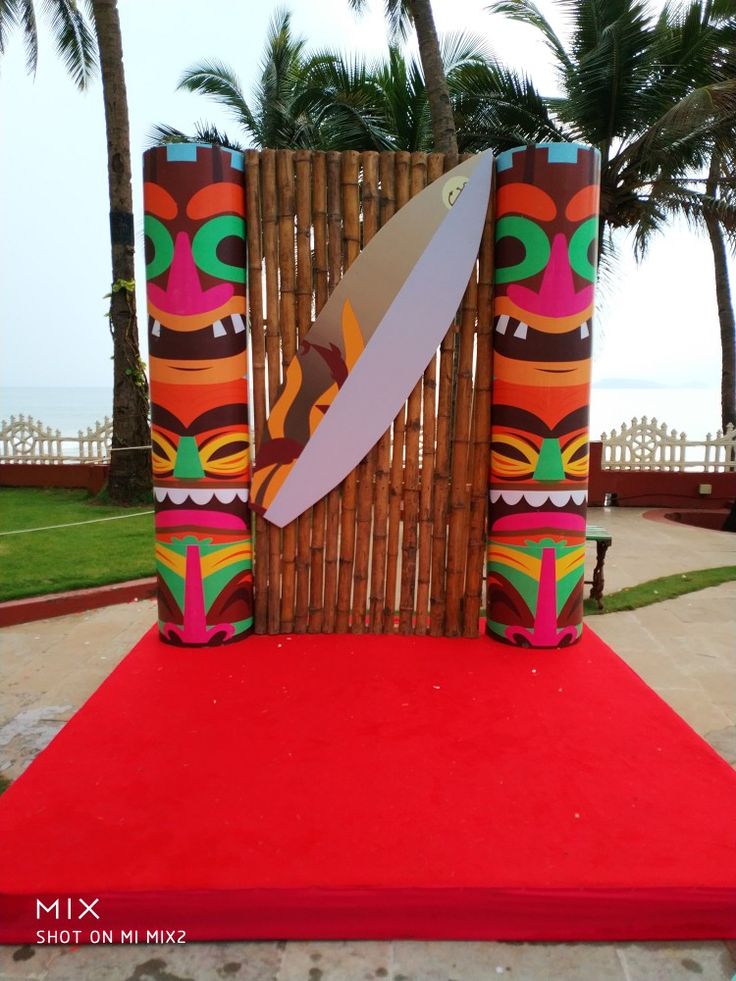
[[194, 199], [546, 258]]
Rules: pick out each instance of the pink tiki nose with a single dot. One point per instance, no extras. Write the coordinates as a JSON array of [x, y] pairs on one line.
[[557, 296], [184, 295]]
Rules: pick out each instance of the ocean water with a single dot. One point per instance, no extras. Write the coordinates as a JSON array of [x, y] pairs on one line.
[[695, 411], [66, 409]]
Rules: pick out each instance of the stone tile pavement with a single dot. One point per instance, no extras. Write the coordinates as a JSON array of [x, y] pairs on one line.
[[685, 649]]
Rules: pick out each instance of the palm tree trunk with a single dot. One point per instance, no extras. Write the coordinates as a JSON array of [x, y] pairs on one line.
[[130, 472], [725, 305], [438, 93]]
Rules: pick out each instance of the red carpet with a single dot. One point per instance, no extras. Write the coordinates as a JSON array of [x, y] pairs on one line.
[[342, 786]]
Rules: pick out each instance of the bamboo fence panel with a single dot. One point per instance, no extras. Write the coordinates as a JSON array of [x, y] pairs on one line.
[[320, 272], [369, 209], [258, 360], [400, 544], [303, 170], [287, 290], [269, 218], [387, 206], [351, 250], [334, 270], [412, 433]]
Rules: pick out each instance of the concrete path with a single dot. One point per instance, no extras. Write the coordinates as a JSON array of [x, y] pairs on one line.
[[684, 648]]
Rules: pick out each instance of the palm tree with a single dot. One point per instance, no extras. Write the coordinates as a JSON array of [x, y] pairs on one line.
[[84, 48], [656, 96], [130, 472], [321, 100], [400, 14]]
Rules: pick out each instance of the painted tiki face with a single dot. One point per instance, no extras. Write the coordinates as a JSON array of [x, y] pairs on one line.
[[195, 250], [546, 254], [546, 241], [195, 247]]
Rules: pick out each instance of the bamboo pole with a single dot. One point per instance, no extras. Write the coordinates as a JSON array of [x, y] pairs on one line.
[[402, 162], [441, 463], [273, 352], [383, 450], [303, 164], [319, 511], [258, 356], [435, 169], [475, 564], [417, 182], [351, 249], [369, 162], [459, 487], [334, 254], [287, 288]]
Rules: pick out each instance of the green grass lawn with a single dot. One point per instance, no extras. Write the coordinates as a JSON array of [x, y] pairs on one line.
[[69, 558], [664, 588]]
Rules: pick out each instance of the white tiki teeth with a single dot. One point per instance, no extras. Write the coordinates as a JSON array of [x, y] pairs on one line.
[[511, 497], [502, 324], [156, 329], [584, 332], [238, 324], [159, 493], [535, 499], [242, 494], [579, 496], [203, 496], [177, 495], [218, 330], [521, 331], [495, 496], [225, 496], [560, 498]]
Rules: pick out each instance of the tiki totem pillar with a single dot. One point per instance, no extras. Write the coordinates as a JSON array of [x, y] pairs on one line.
[[194, 200], [546, 256]]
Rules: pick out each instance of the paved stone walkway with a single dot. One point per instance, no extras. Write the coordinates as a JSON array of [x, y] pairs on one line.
[[685, 649]]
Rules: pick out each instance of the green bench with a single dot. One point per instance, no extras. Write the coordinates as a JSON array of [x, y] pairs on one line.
[[602, 539]]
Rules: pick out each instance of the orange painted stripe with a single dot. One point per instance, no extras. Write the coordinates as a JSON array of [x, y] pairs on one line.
[[224, 198], [157, 201], [550, 325], [197, 321], [544, 374], [583, 204], [524, 199], [217, 371]]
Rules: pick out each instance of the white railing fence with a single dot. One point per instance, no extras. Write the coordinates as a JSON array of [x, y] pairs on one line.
[[643, 445], [649, 445], [24, 439]]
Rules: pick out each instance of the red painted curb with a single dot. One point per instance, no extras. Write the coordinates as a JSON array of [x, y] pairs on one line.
[[75, 601]]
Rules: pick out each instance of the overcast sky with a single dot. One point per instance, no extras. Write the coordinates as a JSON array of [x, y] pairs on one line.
[[658, 321]]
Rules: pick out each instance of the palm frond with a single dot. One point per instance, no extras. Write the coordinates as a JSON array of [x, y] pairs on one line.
[[220, 83], [76, 43], [527, 12]]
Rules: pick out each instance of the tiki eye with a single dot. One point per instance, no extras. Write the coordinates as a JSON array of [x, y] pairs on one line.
[[226, 455], [575, 457], [163, 246], [163, 455], [579, 249], [535, 245], [211, 241], [512, 457]]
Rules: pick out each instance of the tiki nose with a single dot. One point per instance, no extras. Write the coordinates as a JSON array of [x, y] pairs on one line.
[[184, 295], [557, 291], [188, 464], [183, 286], [556, 296], [549, 465]]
